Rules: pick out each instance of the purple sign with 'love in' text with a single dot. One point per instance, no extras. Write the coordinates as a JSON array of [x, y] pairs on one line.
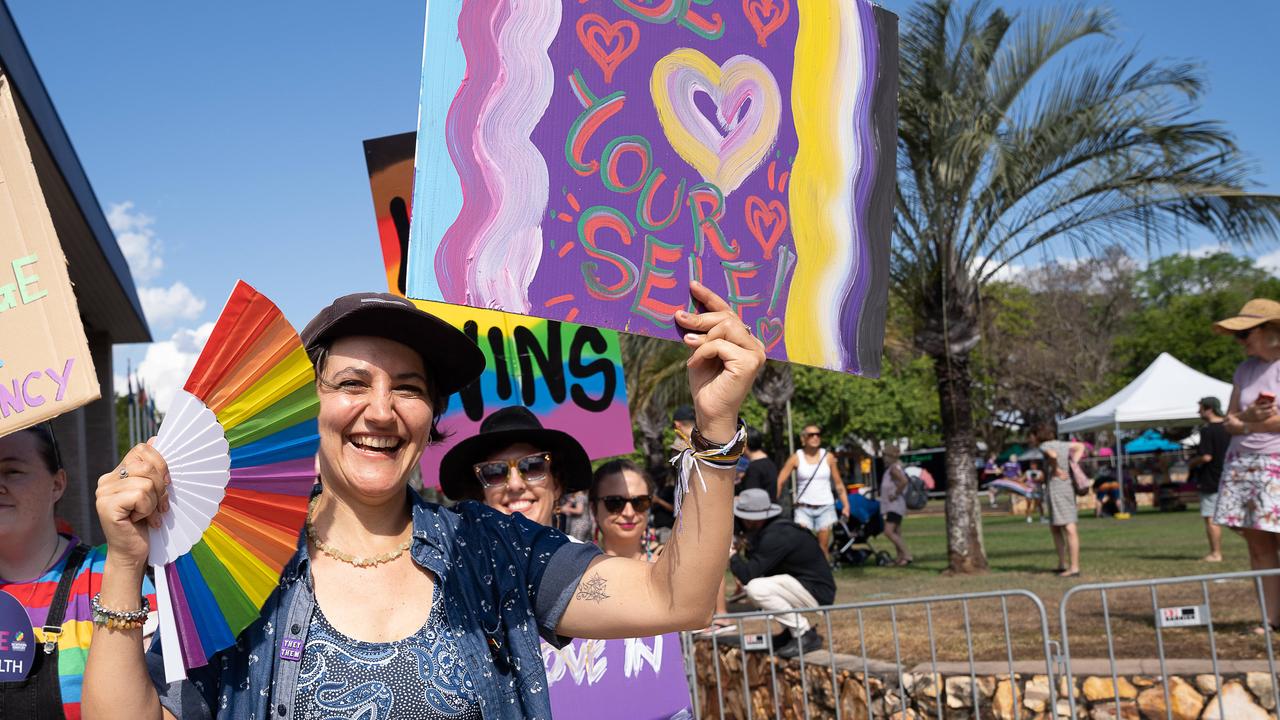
[[17, 641], [583, 161], [641, 678]]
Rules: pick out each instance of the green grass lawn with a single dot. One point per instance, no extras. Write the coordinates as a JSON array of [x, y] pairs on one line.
[[1021, 555]]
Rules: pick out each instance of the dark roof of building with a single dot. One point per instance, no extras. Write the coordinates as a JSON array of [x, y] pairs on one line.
[[104, 286]]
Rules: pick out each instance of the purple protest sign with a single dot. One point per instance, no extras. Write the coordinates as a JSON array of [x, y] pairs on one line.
[[583, 161], [17, 641], [641, 678]]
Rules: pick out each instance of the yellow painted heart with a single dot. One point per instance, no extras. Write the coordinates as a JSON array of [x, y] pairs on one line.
[[748, 111]]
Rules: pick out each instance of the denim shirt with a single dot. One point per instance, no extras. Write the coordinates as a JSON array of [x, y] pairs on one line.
[[505, 581]]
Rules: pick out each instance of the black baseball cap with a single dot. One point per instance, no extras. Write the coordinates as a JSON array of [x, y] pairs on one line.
[[451, 359]]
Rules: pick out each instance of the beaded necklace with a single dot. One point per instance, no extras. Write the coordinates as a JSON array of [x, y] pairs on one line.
[[344, 557]]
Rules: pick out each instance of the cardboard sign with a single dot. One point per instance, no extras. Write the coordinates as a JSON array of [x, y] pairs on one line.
[[642, 678], [569, 375], [45, 365], [584, 161]]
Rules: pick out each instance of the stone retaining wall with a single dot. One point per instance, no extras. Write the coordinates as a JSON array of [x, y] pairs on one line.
[[1193, 696]]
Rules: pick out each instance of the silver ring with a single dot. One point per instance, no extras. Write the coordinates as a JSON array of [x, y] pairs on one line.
[[124, 472]]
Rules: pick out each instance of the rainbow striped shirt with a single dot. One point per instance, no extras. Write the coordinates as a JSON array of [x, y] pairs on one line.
[[77, 624]]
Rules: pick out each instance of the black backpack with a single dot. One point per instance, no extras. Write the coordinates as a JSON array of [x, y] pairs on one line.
[[916, 494]]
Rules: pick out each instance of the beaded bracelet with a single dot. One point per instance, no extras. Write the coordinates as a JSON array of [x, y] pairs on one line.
[[720, 457], [119, 619]]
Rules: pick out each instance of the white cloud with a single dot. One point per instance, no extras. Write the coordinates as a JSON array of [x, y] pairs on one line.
[[1270, 262], [164, 306], [165, 367], [136, 239]]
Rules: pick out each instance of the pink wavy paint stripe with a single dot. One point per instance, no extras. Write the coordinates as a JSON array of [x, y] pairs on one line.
[[510, 245], [291, 477], [477, 35]]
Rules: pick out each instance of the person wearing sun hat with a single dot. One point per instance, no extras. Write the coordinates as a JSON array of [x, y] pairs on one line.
[[781, 568], [1249, 492], [515, 465], [436, 611]]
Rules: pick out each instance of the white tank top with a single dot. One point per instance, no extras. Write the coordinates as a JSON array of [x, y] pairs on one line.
[[818, 490]]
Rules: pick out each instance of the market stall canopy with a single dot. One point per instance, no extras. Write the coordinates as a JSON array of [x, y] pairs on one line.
[[1150, 441], [1167, 393]]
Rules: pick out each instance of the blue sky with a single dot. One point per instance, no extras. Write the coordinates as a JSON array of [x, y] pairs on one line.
[[225, 138]]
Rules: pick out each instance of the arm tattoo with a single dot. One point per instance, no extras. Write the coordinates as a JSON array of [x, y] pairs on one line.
[[593, 589]]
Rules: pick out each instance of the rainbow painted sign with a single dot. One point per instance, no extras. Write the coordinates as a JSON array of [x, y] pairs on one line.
[[569, 375], [583, 159]]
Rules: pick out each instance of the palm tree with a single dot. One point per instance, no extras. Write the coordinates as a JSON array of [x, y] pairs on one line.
[[656, 382], [773, 389], [1034, 134]]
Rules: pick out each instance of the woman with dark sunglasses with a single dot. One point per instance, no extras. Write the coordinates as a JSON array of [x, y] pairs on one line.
[[514, 465], [620, 497]]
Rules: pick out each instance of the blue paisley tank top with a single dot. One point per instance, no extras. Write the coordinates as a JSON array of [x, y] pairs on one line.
[[421, 677]]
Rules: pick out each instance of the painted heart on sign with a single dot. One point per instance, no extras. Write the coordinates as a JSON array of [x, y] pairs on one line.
[[748, 109], [766, 16], [608, 44], [769, 330], [762, 219]]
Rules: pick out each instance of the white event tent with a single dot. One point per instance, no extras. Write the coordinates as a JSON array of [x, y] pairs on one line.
[[1166, 394]]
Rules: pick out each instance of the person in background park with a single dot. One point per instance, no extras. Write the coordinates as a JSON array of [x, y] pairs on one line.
[[578, 523], [664, 499], [1012, 469], [781, 568], [1106, 491], [1034, 480], [1060, 492], [1206, 470], [52, 575], [817, 486], [450, 600], [990, 473], [1249, 494], [514, 465], [893, 501], [762, 473]]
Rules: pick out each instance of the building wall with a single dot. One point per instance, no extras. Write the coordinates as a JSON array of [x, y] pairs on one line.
[[87, 442]]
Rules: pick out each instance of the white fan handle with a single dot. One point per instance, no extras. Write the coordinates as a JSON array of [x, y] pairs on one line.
[[171, 647]]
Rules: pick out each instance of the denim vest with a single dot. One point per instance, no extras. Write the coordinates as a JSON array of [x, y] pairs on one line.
[[504, 581]]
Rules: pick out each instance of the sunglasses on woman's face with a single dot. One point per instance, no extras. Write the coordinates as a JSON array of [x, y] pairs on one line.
[[533, 469], [615, 503], [1244, 334]]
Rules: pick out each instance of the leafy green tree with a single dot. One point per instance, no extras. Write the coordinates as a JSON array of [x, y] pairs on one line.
[[1033, 133], [901, 403], [1181, 296]]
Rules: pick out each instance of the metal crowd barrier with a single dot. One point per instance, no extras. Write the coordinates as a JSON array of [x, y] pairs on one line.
[[1181, 615], [1184, 605], [859, 615]]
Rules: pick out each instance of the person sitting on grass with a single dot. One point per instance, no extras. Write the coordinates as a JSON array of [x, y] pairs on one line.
[[782, 568]]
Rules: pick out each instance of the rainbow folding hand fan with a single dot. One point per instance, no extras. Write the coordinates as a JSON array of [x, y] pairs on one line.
[[240, 440]]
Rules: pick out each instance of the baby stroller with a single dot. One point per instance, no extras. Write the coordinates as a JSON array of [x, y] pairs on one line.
[[852, 537]]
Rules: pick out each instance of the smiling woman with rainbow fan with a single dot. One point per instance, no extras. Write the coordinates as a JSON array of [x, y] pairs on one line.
[[393, 606]]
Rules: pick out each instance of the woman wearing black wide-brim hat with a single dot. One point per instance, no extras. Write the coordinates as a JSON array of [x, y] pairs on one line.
[[516, 466]]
